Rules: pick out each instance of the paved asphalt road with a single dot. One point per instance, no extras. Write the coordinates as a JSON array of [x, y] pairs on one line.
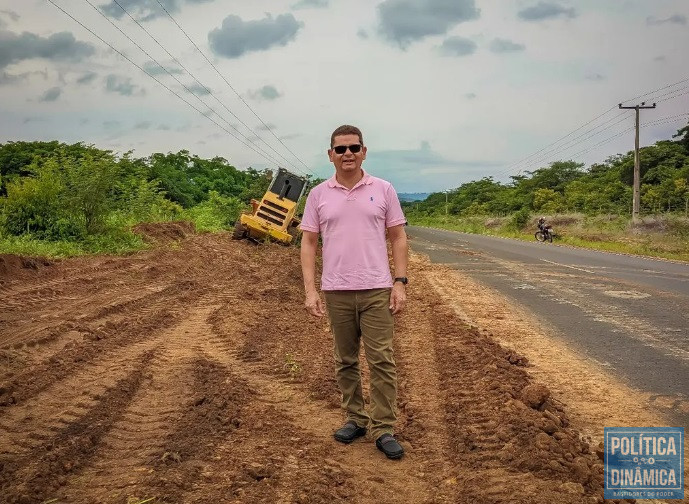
[[631, 314]]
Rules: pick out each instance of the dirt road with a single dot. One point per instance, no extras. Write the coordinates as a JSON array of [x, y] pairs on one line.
[[191, 373]]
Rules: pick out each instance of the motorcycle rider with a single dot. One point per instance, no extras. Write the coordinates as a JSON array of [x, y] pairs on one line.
[[546, 229]]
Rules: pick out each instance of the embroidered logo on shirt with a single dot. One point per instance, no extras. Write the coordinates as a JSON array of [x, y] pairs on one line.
[[371, 198]]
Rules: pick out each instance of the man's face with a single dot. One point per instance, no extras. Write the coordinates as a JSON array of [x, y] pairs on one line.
[[348, 162]]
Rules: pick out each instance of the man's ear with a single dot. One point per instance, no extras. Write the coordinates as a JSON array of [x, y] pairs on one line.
[[364, 149], [330, 155]]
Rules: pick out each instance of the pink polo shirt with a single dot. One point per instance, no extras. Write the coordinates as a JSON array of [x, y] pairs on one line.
[[352, 225]]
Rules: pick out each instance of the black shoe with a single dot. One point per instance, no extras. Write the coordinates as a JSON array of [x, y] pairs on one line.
[[349, 432], [389, 445]]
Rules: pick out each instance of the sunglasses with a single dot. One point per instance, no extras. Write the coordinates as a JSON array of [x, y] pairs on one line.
[[341, 149]]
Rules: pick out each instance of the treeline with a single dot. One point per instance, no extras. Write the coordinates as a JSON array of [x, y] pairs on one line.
[[566, 186], [53, 191]]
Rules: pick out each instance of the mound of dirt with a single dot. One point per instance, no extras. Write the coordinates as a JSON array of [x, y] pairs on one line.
[[14, 265], [164, 232]]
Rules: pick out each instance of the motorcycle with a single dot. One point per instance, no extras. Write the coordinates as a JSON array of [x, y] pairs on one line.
[[545, 233]]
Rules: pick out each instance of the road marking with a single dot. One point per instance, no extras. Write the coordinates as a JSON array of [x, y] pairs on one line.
[[567, 266], [626, 294]]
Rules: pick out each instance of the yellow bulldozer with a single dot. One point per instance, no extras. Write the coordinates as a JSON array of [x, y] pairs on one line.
[[274, 217]]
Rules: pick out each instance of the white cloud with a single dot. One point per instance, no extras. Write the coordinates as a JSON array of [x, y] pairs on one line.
[[679, 19], [405, 21], [546, 10], [59, 47], [267, 92], [499, 45], [237, 37], [458, 46], [308, 4], [145, 10], [51, 95], [122, 86]]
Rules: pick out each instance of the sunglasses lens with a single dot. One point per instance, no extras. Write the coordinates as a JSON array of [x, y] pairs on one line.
[[341, 149]]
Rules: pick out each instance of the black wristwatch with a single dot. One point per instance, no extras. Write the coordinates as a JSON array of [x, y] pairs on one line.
[[404, 280]]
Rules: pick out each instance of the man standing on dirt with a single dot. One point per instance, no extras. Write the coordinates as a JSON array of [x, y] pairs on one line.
[[352, 211]]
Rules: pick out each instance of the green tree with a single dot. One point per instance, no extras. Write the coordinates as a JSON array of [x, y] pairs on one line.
[[548, 201], [34, 205]]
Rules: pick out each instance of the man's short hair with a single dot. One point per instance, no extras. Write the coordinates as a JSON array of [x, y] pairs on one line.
[[346, 129]]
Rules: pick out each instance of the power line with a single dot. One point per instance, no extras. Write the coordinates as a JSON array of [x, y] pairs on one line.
[[205, 88], [569, 145], [665, 119], [180, 82], [655, 122], [230, 85], [518, 163], [655, 90], [673, 97], [560, 139], [152, 76], [573, 142], [607, 140]]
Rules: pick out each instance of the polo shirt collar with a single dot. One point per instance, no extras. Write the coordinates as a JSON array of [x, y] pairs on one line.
[[366, 179]]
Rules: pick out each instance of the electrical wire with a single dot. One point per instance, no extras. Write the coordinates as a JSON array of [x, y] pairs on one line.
[[203, 86], [514, 165], [153, 77], [229, 85], [656, 90], [573, 142], [656, 122], [179, 82]]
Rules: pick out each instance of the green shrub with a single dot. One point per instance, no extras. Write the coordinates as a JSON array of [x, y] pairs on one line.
[[216, 213], [35, 205], [520, 219]]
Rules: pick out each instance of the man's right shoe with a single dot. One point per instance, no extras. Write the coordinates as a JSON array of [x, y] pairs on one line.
[[389, 445], [349, 432]]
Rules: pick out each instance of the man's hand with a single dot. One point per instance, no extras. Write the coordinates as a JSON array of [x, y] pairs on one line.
[[398, 297], [314, 304]]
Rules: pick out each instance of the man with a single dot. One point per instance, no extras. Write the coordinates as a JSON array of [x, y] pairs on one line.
[[352, 211]]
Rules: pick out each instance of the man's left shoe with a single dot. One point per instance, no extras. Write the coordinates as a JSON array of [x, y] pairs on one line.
[[389, 445]]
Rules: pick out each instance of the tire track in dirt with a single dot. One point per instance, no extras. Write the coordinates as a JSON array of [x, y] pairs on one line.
[[371, 475], [421, 419], [511, 438], [113, 308], [73, 357], [66, 400], [137, 442], [35, 477]]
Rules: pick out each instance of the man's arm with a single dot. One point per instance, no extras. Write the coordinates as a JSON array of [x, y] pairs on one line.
[[398, 242], [309, 244]]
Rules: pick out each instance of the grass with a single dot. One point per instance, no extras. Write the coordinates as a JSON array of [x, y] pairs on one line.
[[292, 365], [119, 243], [117, 240], [655, 236]]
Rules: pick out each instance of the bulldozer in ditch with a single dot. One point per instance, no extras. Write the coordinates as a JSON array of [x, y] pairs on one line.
[[274, 217]]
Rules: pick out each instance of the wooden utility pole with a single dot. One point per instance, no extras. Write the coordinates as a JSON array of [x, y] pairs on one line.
[[636, 199]]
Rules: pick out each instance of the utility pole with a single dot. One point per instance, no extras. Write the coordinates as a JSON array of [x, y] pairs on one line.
[[445, 202], [636, 199]]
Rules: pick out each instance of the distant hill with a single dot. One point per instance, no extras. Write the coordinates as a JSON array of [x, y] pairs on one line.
[[413, 196]]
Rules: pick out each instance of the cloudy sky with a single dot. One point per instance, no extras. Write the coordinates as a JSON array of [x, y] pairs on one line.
[[445, 91]]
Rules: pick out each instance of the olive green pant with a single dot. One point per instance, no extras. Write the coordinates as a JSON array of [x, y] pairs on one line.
[[356, 316]]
